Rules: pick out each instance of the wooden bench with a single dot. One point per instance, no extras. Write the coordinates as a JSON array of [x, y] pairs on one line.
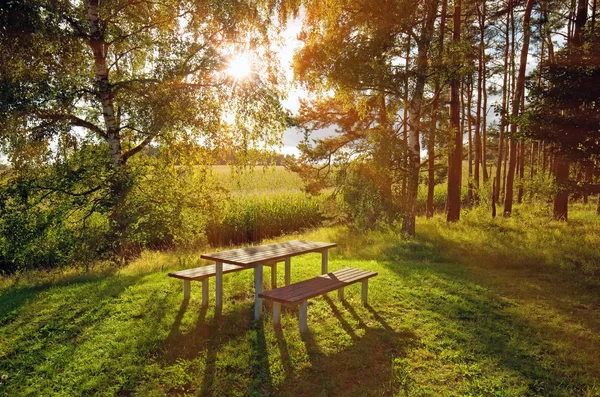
[[300, 292], [202, 274]]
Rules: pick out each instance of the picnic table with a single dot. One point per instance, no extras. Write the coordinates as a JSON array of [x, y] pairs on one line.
[[264, 255]]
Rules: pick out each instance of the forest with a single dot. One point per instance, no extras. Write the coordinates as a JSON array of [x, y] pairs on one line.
[[453, 146]]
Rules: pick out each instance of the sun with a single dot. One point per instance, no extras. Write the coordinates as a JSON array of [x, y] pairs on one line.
[[239, 67]]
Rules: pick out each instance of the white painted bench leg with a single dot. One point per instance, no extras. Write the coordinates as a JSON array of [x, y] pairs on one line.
[[219, 284], [276, 313], [324, 261], [274, 275], [287, 270], [304, 316], [341, 293], [186, 289], [365, 291], [258, 279], [205, 292]]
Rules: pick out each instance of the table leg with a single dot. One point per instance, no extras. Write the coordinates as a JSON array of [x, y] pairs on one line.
[[303, 316], [365, 291], [205, 292], [258, 279], [287, 270], [219, 285], [276, 313], [274, 275], [186, 289], [324, 261]]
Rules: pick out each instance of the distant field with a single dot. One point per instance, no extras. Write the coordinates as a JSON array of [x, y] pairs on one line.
[[258, 180], [264, 202]]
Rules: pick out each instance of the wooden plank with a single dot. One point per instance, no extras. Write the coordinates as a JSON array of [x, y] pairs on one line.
[[310, 288], [199, 273], [267, 253]]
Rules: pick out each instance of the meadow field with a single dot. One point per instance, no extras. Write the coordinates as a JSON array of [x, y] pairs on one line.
[[263, 202], [484, 307]]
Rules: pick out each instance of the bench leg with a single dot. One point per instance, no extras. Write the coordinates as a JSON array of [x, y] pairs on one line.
[[274, 275], [341, 293], [276, 313], [324, 261], [303, 316], [287, 271], [186, 289], [219, 285], [205, 292], [258, 279], [365, 291]]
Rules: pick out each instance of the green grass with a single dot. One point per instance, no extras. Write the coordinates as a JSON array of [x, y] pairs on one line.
[[484, 307]]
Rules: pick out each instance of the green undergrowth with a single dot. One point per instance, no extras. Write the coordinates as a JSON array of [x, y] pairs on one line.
[[504, 307]]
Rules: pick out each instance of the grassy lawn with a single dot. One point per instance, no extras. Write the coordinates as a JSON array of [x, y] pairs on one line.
[[509, 307]]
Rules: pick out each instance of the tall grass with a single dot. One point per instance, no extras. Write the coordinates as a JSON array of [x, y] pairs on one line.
[[254, 218]]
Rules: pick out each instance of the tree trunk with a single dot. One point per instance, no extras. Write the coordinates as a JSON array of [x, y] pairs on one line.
[[519, 93], [588, 179], [434, 115], [561, 200], [497, 184], [466, 116], [532, 156], [404, 193], [414, 146], [483, 71], [99, 49], [521, 171], [455, 153], [478, 126]]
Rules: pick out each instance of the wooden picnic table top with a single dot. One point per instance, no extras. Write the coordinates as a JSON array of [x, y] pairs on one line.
[[267, 253]]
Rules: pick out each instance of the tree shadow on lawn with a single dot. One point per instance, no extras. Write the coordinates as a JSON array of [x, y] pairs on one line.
[[364, 367], [206, 338], [475, 327], [18, 295], [44, 326]]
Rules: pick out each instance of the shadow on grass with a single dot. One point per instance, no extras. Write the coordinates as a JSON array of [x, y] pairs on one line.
[[362, 368], [14, 297], [475, 325], [46, 326]]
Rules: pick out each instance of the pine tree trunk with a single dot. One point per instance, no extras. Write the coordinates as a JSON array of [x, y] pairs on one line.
[[466, 116], [519, 94], [561, 200], [532, 154], [481, 136], [455, 153], [497, 184], [521, 171], [434, 116], [588, 179]]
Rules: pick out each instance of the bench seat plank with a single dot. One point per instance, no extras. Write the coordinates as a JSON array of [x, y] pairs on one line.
[[303, 290], [200, 273]]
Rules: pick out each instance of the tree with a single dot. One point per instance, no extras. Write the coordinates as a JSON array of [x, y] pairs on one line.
[[519, 94], [358, 53], [121, 76], [455, 154], [563, 112]]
